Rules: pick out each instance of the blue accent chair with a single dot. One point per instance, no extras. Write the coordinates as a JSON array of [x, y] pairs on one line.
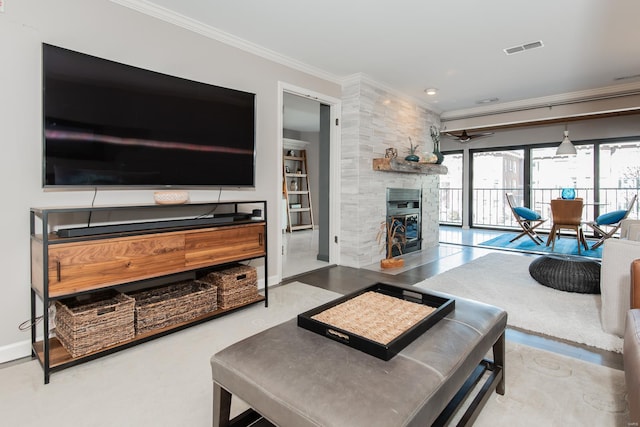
[[607, 224], [527, 219]]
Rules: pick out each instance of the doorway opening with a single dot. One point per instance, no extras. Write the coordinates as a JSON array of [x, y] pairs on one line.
[[309, 134]]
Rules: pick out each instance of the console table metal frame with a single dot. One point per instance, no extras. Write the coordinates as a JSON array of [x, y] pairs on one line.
[[43, 237]]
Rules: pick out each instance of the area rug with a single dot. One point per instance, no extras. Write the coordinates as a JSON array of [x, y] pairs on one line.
[[503, 280], [548, 389], [167, 382], [565, 245]]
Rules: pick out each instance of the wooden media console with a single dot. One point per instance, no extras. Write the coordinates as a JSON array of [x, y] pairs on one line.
[[80, 266]]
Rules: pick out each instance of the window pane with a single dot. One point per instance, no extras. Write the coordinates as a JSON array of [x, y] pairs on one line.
[[619, 175], [494, 174], [451, 190]]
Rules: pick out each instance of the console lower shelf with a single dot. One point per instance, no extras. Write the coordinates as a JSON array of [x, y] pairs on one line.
[[59, 357]]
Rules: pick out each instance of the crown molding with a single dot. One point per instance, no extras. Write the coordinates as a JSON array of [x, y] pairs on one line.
[[164, 14], [167, 15], [613, 91]]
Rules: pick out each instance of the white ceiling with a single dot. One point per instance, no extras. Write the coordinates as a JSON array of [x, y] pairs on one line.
[[455, 46]]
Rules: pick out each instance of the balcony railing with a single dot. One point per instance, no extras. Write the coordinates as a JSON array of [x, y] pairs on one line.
[[451, 206], [490, 208]]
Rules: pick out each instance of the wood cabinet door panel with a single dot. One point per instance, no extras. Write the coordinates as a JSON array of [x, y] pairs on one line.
[[90, 265], [217, 246]]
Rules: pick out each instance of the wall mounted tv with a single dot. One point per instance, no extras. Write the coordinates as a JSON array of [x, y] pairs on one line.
[[108, 124]]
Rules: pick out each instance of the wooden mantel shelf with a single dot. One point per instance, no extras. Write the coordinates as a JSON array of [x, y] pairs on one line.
[[398, 165]]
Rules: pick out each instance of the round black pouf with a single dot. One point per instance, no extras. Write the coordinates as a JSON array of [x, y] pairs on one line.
[[567, 273]]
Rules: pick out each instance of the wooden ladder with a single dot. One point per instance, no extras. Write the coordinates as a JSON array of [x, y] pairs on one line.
[[297, 191]]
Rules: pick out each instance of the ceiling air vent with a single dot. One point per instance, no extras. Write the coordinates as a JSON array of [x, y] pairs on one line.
[[523, 47]]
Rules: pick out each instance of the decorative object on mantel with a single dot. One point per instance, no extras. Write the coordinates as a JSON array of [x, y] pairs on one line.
[[390, 153], [171, 197], [399, 165], [429, 158], [435, 136], [412, 157], [387, 231]]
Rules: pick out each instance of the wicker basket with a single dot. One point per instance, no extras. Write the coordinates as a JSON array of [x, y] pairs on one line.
[[169, 305], [87, 324], [236, 285]]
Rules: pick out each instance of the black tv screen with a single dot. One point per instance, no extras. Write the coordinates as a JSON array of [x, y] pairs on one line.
[[111, 124]]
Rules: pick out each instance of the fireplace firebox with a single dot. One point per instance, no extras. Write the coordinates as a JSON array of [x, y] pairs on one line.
[[403, 208]]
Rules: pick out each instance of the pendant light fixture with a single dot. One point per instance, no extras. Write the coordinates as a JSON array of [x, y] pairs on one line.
[[566, 147]]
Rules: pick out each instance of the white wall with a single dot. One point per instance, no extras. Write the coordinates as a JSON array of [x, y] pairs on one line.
[[105, 29]]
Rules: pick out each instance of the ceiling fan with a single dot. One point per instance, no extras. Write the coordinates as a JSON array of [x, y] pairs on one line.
[[465, 137]]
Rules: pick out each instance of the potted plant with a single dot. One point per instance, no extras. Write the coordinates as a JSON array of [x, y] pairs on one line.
[[412, 157], [393, 233]]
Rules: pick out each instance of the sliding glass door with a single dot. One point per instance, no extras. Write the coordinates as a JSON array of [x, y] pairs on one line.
[[606, 175], [494, 173]]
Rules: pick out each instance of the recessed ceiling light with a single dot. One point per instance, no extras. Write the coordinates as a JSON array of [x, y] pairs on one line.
[[488, 101], [431, 91]]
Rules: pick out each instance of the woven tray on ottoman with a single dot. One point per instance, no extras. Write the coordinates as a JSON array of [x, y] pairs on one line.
[[172, 304], [86, 324], [236, 285]]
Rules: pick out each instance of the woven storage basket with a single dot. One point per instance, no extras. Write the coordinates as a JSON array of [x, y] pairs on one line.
[[236, 285], [91, 323], [172, 304]]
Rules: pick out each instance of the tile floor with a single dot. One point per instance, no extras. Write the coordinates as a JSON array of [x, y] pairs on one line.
[[300, 250], [299, 253]]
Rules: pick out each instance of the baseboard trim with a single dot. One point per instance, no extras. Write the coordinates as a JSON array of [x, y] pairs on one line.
[[15, 351]]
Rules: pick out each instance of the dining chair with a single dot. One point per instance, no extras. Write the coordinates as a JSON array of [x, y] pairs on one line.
[[527, 219], [567, 215], [611, 221]]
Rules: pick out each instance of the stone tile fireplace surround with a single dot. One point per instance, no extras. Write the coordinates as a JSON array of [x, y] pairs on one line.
[[374, 119]]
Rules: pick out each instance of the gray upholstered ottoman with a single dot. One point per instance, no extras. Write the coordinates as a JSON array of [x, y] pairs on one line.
[[297, 378]]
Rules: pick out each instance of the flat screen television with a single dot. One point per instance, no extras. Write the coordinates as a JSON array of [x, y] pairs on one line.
[[108, 124]]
